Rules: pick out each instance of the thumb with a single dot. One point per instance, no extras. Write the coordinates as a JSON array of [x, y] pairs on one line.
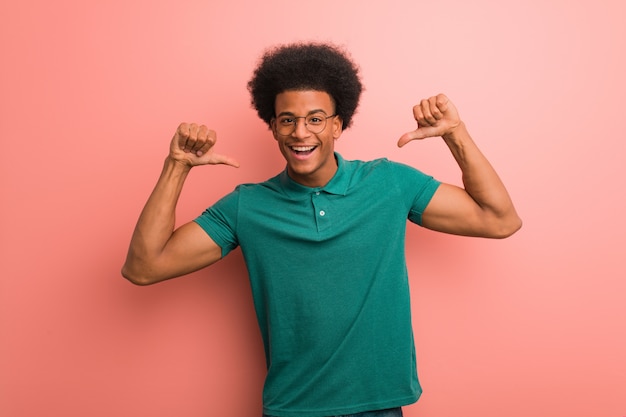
[[217, 159], [417, 134], [226, 160]]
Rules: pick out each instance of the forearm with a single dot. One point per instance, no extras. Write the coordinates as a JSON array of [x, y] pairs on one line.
[[157, 220], [481, 181]]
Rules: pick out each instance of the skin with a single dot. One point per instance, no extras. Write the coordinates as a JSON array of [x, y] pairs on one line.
[[483, 207], [158, 251], [316, 168]]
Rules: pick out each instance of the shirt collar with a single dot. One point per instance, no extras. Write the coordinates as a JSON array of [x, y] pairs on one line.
[[338, 184]]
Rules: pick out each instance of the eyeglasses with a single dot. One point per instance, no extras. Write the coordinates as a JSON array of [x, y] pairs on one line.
[[314, 122]]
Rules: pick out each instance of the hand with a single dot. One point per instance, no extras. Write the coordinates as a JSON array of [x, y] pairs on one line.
[[436, 116], [193, 145]]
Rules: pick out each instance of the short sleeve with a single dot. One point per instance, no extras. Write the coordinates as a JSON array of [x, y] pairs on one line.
[[417, 187], [220, 221]]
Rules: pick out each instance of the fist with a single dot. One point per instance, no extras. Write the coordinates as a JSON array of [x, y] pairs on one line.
[[193, 145], [435, 116]]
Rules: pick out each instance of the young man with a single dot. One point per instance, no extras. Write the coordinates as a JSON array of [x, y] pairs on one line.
[[323, 240]]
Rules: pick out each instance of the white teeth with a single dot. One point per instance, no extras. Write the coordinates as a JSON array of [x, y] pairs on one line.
[[302, 148]]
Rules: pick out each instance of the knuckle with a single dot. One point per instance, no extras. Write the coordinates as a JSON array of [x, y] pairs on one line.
[[183, 129], [202, 129]]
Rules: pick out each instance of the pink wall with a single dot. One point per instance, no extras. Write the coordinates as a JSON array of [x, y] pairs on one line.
[[91, 94]]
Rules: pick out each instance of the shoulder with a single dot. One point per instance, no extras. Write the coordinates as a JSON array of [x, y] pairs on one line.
[[358, 168], [251, 188], [247, 195], [384, 168]]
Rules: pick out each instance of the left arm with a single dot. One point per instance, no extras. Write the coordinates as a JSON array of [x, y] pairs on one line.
[[483, 207]]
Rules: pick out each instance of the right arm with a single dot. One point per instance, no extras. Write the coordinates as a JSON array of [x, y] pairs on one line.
[[157, 251]]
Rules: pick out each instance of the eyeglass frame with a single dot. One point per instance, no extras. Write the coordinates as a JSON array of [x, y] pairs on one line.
[[295, 121]]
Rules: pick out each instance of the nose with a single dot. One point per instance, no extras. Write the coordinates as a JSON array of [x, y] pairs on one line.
[[300, 130]]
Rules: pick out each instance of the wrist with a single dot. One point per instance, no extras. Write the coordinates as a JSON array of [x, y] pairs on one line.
[[177, 163], [456, 134], [174, 167]]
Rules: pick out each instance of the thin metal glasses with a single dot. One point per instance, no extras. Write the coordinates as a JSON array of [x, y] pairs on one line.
[[314, 122]]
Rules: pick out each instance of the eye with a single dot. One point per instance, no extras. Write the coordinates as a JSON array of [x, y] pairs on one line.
[[285, 120], [315, 119]]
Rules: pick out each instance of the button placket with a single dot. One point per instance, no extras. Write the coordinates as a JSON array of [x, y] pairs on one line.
[[320, 207]]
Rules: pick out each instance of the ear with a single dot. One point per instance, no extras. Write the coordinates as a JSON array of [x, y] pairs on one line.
[[337, 127], [273, 128]]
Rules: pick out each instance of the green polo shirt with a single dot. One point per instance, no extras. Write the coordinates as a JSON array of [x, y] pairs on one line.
[[329, 280]]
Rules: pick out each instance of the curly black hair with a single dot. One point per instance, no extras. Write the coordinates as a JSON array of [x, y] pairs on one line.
[[306, 66]]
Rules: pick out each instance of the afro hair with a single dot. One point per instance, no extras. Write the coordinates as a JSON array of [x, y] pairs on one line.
[[306, 66]]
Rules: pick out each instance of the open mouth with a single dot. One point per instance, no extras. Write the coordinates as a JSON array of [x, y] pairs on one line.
[[302, 150]]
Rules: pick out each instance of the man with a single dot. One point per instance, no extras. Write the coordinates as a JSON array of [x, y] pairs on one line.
[[323, 240]]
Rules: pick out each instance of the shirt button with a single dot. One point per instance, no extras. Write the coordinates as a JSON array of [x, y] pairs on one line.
[[322, 213], [317, 193]]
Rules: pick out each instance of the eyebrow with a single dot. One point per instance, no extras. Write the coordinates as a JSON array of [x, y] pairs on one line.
[[288, 113]]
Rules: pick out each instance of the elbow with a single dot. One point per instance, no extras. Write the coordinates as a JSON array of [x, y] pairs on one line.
[[136, 277], [508, 228]]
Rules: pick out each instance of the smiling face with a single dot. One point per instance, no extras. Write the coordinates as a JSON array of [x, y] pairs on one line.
[[310, 156]]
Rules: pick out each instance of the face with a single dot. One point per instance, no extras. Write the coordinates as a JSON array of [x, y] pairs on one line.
[[310, 156]]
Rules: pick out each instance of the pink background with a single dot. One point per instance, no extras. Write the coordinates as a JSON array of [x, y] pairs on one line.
[[91, 93]]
